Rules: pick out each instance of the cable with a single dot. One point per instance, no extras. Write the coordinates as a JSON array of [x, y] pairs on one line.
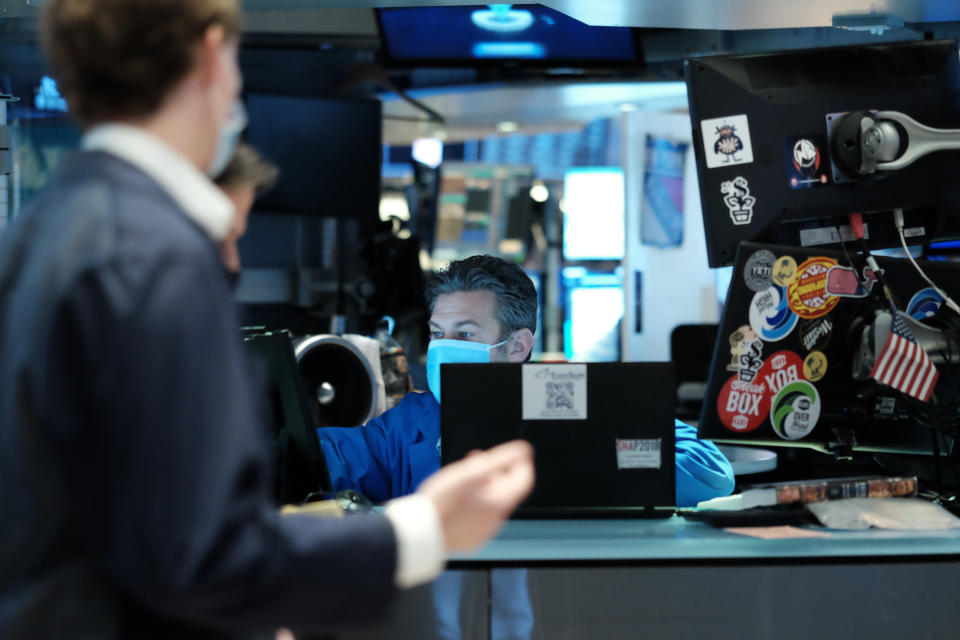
[[898, 221]]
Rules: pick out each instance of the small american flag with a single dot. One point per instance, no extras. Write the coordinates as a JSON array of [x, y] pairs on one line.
[[903, 364]]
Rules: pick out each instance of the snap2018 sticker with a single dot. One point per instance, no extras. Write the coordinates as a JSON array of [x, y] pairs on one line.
[[795, 410], [746, 353], [844, 283], [742, 406], [814, 366], [737, 198], [758, 272], [806, 162], [784, 271], [726, 141], [815, 334], [807, 294], [924, 304], [770, 316]]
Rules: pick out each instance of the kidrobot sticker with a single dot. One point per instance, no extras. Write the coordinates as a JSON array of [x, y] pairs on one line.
[[795, 410], [924, 304], [779, 370], [758, 272], [806, 162], [814, 366], [815, 334], [807, 294], [843, 282], [770, 316], [742, 406], [784, 271], [746, 353], [726, 141], [736, 195]]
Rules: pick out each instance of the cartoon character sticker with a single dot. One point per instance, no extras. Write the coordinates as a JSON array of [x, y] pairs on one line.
[[805, 162], [815, 366], [795, 410], [844, 283], [807, 294], [770, 316], [758, 272], [726, 141], [924, 304], [736, 195], [784, 271], [746, 351]]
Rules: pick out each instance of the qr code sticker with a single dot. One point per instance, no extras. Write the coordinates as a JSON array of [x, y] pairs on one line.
[[560, 395]]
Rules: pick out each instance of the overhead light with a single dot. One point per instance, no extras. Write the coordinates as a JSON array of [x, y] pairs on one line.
[[628, 106], [507, 126], [539, 192], [428, 151]]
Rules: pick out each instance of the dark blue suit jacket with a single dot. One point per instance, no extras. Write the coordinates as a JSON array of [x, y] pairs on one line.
[[134, 467]]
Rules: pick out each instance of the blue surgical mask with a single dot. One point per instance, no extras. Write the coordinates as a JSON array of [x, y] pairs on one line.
[[227, 140], [444, 351]]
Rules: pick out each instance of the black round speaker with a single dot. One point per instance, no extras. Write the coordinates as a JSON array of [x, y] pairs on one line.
[[340, 383]]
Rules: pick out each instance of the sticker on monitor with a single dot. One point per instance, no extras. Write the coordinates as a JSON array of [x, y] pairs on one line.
[[726, 141]]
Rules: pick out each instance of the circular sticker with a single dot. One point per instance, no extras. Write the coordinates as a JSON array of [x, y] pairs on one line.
[[923, 304], [742, 406], [815, 334], [758, 272], [807, 293], [779, 370], [795, 410], [814, 366], [770, 317], [784, 271]]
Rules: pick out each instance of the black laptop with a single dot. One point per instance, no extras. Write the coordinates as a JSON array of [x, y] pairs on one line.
[[603, 433]]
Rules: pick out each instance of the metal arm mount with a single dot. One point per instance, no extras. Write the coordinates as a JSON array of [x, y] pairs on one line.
[[886, 141]]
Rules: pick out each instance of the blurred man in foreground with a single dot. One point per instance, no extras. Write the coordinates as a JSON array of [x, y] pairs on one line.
[[134, 474]]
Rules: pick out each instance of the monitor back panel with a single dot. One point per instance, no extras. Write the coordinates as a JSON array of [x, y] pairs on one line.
[[782, 333], [602, 462]]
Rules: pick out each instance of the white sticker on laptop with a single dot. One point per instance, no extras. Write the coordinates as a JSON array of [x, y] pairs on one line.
[[639, 454], [554, 392], [726, 141]]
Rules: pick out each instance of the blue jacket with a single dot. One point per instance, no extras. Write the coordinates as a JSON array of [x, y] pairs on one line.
[[392, 454]]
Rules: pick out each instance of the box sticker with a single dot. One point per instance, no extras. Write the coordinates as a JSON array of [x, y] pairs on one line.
[[639, 454], [736, 195], [742, 406], [806, 162], [726, 141], [758, 272], [770, 316], [554, 392], [807, 294]]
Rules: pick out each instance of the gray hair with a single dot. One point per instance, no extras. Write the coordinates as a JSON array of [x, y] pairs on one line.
[[516, 296]]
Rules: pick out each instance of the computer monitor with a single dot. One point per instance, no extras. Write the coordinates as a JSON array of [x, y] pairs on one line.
[[478, 35], [762, 130], [328, 151], [799, 321]]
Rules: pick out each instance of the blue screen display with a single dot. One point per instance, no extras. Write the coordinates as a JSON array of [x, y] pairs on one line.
[[499, 32]]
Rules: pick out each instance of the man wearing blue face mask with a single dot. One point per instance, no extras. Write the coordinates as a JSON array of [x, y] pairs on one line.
[[482, 309]]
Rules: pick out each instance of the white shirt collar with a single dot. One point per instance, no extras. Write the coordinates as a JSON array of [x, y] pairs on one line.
[[203, 202]]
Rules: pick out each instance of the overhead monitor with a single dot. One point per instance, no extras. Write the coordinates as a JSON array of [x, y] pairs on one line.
[[767, 149], [328, 151], [474, 35]]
